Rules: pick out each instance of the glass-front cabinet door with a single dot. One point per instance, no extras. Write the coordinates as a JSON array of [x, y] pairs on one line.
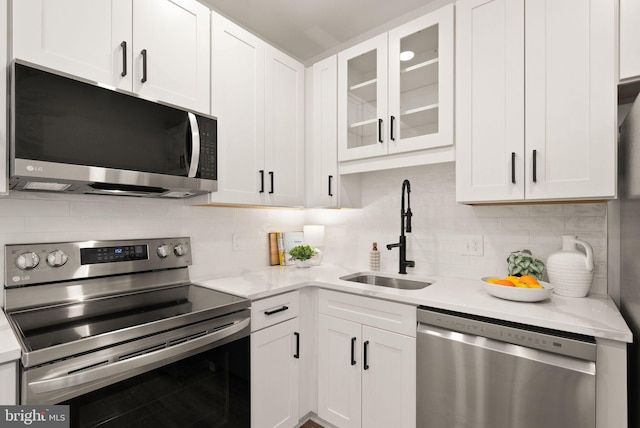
[[395, 91], [362, 100], [421, 83]]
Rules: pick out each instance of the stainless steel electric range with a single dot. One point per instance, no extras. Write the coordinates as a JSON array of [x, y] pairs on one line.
[[116, 330]]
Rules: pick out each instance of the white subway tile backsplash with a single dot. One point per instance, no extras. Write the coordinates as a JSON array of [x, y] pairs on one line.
[[439, 225]]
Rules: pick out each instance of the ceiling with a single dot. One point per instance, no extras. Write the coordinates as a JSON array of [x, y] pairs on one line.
[[306, 29]]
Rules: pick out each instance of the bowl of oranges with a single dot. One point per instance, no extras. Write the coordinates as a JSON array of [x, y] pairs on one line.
[[525, 288]]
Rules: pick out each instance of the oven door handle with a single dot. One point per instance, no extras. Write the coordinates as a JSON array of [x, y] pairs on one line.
[[138, 364], [195, 145]]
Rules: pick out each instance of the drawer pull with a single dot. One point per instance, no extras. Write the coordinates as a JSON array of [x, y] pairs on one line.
[[144, 65], [297, 354], [366, 353], [123, 45], [353, 351], [275, 311]]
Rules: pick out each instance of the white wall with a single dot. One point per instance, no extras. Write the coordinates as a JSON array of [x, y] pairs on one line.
[[439, 223]]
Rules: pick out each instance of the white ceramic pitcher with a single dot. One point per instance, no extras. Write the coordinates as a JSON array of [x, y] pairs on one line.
[[571, 271]]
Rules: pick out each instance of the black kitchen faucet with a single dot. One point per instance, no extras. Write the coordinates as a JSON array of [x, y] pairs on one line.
[[405, 225]]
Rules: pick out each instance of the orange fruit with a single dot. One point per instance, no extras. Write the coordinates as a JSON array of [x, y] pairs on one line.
[[504, 282], [529, 280]]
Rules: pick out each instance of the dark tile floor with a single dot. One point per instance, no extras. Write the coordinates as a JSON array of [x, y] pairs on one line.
[[311, 424]]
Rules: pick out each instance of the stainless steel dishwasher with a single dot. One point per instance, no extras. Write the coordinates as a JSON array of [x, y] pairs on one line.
[[476, 372]]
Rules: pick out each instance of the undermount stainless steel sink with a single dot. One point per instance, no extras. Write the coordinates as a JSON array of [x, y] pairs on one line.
[[386, 281]]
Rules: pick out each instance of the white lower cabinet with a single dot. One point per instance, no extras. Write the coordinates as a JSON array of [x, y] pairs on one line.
[[275, 362], [366, 374], [9, 382]]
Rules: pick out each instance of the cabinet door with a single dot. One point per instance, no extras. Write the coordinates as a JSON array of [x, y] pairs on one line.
[[284, 129], [490, 100], [78, 37], [323, 165], [176, 38], [571, 125], [388, 379], [237, 100], [339, 372], [629, 39], [362, 100], [274, 376], [421, 83]]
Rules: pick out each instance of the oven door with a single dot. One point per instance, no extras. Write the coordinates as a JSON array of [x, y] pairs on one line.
[[198, 374], [209, 389]]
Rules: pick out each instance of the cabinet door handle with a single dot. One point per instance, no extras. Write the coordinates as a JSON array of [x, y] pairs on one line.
[[123, 45], [330, 180], [380, 140], [271, 178], [513, 167], [297, 354], [275, 311], [144, 65], [393, 131], [535, 166], [261, 181], [353, 351], [366, 355]]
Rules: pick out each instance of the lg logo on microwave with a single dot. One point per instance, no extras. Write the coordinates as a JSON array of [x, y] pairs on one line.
[[32, 168]]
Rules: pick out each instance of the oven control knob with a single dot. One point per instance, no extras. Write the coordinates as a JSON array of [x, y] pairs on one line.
[[163, 251], [180, 250], [27, 261], [57, 258]]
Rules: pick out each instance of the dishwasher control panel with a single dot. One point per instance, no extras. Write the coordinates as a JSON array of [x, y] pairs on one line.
[[554, 341]]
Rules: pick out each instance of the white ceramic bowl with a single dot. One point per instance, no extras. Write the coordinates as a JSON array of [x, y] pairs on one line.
[[516, 293]]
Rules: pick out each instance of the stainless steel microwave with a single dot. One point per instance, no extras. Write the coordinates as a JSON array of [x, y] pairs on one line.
[[70, 136]]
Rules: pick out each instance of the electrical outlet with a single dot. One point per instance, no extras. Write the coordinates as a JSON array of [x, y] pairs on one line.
[[472, 245]]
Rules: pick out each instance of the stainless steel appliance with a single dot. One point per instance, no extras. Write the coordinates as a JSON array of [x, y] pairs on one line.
[[623, 234], [476, 372], [69, 136], [116, 330]]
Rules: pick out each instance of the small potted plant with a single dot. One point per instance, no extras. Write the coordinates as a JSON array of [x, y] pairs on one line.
[[301, 255]]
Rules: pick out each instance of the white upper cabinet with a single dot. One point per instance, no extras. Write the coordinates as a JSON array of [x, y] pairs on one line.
[[284, 129], [362, 99], [258, 97], [237, 100], [103, 41], [175, 35], [395, 91], [421, 87], [629, 39], [322, 162], [535, 100]]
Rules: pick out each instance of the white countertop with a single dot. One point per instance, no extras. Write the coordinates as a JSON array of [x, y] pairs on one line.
[[594, 315], [9, 347]]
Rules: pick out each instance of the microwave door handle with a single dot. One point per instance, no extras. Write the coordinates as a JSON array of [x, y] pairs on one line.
[[195, 145]]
